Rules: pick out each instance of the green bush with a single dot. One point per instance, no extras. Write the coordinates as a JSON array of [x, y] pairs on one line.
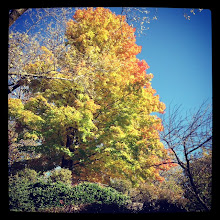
[[62, 175], [95, 198], [91, 192], [19, 190], [121, 185], [35, 196], [48, 194], [19, 195], [27, 175]]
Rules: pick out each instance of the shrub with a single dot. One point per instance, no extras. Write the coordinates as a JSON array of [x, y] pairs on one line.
[[121, 185], [62, 175], [92, 192], [38, 196], [28, 192], [19, 195], [50, 194], [88, 198], [158, 198], [19, 189], [27, 175]]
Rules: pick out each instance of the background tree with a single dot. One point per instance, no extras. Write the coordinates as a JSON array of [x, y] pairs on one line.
[[187, 137], [155, 196]]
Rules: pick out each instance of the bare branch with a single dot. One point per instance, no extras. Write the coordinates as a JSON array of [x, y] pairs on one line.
[[200, 145], [169, 162], [15, 14], [188, 135], [41, 76]]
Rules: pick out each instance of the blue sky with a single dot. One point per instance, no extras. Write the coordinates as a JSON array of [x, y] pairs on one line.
[[179, 53]]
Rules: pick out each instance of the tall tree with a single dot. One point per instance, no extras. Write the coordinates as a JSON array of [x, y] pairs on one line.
[[90, 106]]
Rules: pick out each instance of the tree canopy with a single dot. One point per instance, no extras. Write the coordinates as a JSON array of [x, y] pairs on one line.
[[90, 103]]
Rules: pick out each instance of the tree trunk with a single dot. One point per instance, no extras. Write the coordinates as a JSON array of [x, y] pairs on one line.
[[72, 141], [200, 200], [189, 174]]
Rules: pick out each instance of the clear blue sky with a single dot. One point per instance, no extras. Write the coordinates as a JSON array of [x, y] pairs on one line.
[[179, 53]]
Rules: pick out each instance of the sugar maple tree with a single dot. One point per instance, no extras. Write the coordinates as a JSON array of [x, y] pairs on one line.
[[90, 109]]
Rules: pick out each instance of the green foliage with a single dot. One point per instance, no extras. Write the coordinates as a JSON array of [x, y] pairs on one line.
[[92, 192], [19, 191], [95, 197], [29, 192], [49, 194], [61, 175], [27, 175]]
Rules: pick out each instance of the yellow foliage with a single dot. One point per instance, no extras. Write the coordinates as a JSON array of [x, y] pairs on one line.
[[102, 103]]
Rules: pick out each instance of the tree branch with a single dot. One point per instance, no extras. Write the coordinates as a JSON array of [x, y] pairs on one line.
[[157, 165], [207, 140], [22, 80], [41, 76], [178, 159], [15, 14]]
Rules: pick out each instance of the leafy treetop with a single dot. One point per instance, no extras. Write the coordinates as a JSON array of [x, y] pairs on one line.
[[98, 122]]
